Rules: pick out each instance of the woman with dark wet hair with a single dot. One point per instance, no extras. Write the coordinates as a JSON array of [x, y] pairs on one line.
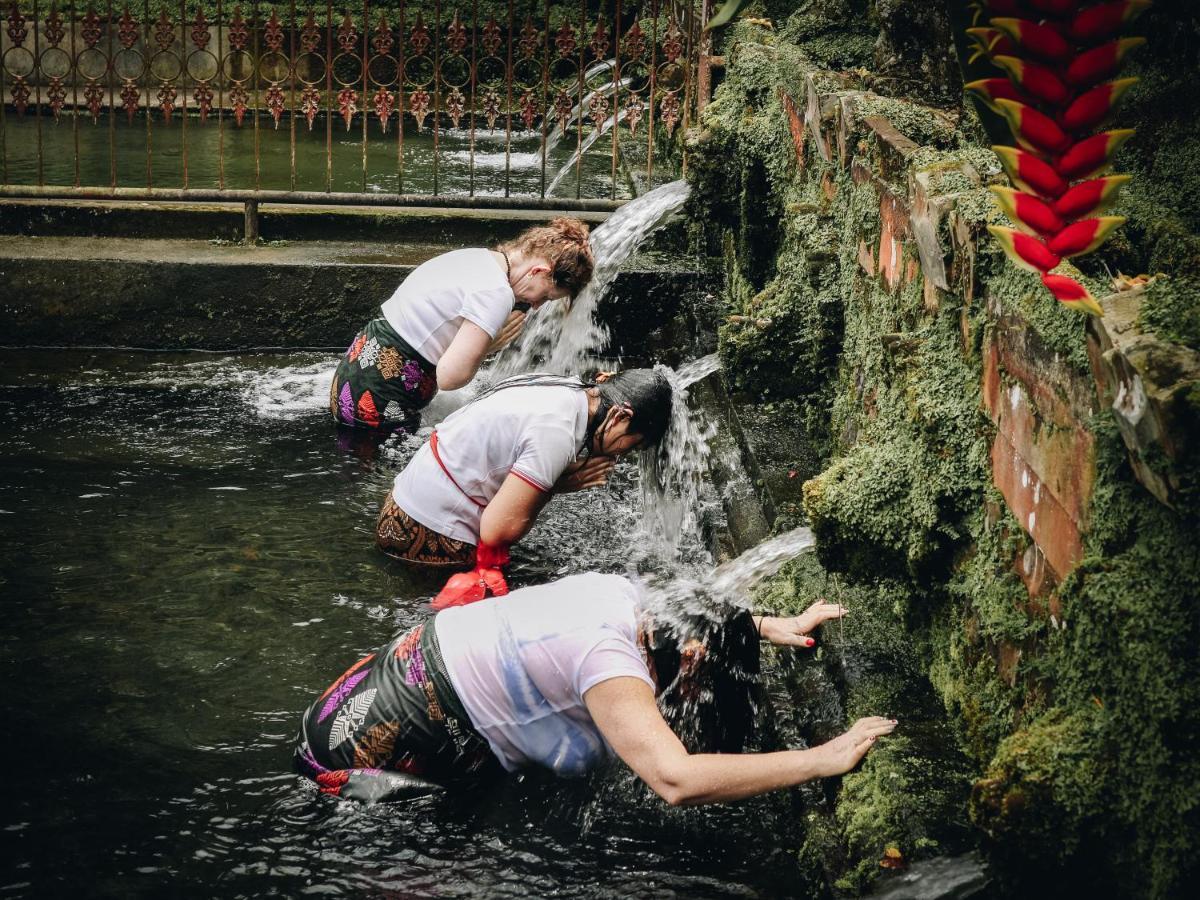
[[563, 676], [448, 315], [480, 482]]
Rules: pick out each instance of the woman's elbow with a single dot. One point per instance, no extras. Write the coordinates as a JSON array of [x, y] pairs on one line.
[[449, 379], [673, 788]]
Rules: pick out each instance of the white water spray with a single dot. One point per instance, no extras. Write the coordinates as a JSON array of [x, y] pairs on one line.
[[564, 344]]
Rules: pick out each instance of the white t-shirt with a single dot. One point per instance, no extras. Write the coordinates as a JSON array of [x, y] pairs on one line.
[[431, 303], [534, 432], [521, 664]]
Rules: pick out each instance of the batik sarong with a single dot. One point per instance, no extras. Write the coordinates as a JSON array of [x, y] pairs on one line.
[[400, 535], [392, 727], [381, 382]]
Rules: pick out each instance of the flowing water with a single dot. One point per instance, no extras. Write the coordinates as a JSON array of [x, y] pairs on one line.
[[565, 344], [188, 559]]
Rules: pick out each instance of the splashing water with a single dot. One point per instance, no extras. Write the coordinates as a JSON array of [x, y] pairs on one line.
[[672, 481], [698, 370], [597, 133], [552, 342]]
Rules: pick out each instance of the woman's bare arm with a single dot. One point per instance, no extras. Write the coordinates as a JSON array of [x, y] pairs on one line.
[[512, 512], [624, 710], [461, 360]]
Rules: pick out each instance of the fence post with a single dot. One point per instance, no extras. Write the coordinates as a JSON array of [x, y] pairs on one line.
[[251, 233]]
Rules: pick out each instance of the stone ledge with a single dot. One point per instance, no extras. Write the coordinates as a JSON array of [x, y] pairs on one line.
[[1153, 388]]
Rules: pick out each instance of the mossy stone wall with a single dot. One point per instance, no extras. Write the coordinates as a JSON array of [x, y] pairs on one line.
[[1003, 553]]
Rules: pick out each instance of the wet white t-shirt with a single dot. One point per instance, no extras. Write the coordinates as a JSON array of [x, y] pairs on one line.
[[521, 664], [430, 305], [534, 432]]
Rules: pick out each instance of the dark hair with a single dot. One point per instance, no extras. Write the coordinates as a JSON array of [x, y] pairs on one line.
[[709, 702], [646, 392], [564, 244]]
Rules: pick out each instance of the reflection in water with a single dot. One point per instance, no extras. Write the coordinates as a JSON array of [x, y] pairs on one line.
[[163, 632]]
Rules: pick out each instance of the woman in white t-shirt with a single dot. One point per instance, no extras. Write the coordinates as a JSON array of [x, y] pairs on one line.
[[564, 676], [479, 483], [447, 315]]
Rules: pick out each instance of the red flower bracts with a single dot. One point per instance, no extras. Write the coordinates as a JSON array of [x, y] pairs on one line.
[[1058, 56]]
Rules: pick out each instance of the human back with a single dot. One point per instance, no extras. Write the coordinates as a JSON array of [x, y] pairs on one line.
[[521, 665], [430, 305], [532, 431]]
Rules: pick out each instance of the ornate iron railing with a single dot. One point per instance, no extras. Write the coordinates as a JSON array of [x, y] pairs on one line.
[[426, 101]]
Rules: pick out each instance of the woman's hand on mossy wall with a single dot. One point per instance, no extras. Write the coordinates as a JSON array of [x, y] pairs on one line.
[[796, 631]]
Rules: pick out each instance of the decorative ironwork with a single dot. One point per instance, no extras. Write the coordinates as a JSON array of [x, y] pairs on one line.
[[17, 32], [164, 32], [383, 103], [127, 31], [200, 35], [310, 104], [90, 28], [548, 81], [54, 31], [491, 40], [564, 41]]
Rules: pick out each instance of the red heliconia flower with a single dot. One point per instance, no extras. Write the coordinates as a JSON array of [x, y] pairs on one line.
[[1055, 7], [990, 90], [1098, 23], [1091, 155], [1041, 40], [1071, 294], [1098, 64], [1093, 107], [366, 409], [991, 41], [1036, 176], [1037, 81], [1026, 251], [1033, 130], [1083, 237], [1037, 216], [1089, 197]]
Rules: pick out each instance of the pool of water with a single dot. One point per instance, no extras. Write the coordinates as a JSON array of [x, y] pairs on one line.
[[189, 559], [221, 150]]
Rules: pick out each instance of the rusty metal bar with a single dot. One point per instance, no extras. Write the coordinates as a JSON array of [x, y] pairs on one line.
[[329, 95], [255, 28], [474, 85], [547, 121], [222, 75], [652, 102], [183, 74], [366, 85], [4, 126], [320, 198], [437, 84], [616, 97], [580, 87], [149, 106], [37, 90], [508, 80], [74, 71], [293, 58], [400, 60]]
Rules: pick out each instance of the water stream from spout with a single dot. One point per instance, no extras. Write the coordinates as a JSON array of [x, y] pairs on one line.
[[552, 342]]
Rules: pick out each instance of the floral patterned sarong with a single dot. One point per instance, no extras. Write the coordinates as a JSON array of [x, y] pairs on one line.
[[381, 382]]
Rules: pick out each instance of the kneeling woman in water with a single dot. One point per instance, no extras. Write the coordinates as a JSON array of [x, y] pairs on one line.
[[449, 313], [479, 483], [561, 676]]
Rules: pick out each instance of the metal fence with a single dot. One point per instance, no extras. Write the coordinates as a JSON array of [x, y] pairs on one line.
[[485, 103]]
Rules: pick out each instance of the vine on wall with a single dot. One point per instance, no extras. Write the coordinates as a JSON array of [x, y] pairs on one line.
[[1058, 58]]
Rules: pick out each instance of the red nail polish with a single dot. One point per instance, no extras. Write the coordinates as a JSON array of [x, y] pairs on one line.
[[809, 642]]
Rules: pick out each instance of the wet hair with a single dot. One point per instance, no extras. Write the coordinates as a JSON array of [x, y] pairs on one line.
[[646, 392], [564, 244], [710, 701]]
